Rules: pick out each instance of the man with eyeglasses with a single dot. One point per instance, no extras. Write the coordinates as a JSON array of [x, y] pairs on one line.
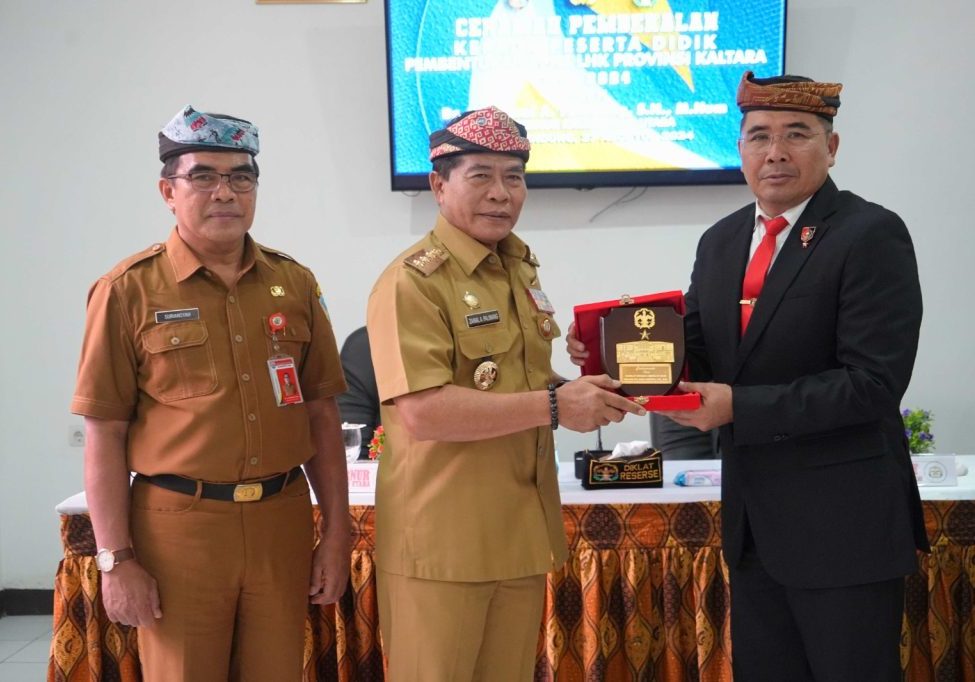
[[209, 369], [803, 317]]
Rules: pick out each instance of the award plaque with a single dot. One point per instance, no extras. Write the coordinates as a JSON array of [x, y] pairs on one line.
[[639, 340], [643, 347]]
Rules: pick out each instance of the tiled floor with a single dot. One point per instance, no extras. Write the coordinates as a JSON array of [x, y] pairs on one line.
[[25, 643]]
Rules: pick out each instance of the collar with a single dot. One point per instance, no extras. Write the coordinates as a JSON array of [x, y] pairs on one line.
[[470, 253], [792, 215], [185, 262]]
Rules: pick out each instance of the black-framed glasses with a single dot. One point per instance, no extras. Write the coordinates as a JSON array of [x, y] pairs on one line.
[[793, 140], [209, 181]]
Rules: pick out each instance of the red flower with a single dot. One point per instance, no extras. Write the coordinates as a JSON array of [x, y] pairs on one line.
[[377, 442]]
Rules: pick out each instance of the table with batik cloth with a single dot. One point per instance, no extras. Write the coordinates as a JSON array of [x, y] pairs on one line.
[[644, 595]]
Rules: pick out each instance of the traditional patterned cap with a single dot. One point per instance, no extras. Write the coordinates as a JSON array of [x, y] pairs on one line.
[[789, 93], [194, 131], [481, 131]]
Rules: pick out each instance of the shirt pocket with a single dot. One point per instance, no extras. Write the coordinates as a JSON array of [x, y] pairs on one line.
[[180, 361], [475, 344], [478, 345], [293, 342]]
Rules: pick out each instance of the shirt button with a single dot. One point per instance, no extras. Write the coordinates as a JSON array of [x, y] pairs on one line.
[[530, 370], [252, 417], [174, 340], [245, 376], [253, 460], [238, 338], [232, 299]]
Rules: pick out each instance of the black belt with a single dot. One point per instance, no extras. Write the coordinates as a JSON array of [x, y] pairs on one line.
[[228, 492]]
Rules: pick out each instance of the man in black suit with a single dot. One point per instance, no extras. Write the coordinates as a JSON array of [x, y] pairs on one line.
[[803, 370], [360, 403]]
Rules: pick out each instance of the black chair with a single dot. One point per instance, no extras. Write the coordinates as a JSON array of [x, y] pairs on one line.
[[682, 442]]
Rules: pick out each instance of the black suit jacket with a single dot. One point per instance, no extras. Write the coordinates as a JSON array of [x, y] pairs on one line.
[[360, 403], [815, 461]]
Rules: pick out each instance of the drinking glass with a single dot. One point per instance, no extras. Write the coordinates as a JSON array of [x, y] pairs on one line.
[[352, 436]]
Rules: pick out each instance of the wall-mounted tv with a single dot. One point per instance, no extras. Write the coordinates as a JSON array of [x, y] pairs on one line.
[[612, 92]]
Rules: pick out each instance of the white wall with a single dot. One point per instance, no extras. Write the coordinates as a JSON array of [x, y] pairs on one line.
[[86, 84]]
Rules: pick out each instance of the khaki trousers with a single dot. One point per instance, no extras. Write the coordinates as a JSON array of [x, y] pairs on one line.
[[441, 631], [233, 584]]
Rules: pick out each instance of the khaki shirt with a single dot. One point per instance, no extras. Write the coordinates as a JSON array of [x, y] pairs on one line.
[[473, 511], [197, 392]]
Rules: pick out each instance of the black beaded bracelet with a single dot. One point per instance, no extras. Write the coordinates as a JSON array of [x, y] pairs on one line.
[[553, 405]]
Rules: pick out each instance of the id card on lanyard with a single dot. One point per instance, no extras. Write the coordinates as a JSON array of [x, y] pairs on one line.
[[282, 369]]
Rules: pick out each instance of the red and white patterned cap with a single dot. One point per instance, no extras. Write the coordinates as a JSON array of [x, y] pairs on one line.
[[481, 131]]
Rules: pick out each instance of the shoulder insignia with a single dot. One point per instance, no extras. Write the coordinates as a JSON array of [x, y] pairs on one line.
[[531, 259], [127, 263], [427, 260], [275, 252]]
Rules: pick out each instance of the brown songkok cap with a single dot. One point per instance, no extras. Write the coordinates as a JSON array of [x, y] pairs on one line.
[[481, 131], [789, 93]]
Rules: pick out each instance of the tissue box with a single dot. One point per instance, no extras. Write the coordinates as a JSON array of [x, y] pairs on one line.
[[580, 460], [641, 471]]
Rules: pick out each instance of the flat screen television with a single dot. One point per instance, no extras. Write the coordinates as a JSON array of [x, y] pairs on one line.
[[612, 92]]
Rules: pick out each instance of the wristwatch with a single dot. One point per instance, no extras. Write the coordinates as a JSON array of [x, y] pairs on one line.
[[108, 559]]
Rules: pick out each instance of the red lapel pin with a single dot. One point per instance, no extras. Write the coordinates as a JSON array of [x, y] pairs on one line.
[[806, 235]]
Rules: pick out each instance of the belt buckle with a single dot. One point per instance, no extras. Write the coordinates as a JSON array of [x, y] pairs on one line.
[[248, 492]]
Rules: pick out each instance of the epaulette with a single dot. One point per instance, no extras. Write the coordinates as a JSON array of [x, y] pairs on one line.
[[427, 260], [124, 265], [531, 259], [275, 252]]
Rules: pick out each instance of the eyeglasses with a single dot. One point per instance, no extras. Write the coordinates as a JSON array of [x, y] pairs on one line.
[[209, 181], [794, 140]]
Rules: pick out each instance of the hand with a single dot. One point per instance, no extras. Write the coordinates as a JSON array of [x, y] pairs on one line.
[[716, 406], [589, 402], [329, 572], [130, 595], [575, 347]]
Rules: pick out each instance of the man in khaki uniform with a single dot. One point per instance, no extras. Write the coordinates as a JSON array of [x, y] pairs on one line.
[[468, 518], [208, 368]]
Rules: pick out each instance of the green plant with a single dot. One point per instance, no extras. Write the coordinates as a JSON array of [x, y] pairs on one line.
[[917, 428]]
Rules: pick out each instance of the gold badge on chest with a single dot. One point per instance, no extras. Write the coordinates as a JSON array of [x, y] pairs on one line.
[[486, 374], [545, 327]]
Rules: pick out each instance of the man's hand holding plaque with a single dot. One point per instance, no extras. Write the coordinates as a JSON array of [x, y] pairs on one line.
[[640, 342]]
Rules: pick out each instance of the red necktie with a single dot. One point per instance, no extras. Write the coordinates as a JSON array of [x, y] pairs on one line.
[[758, 266]]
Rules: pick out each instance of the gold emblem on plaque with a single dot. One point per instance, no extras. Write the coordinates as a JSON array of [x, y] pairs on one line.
[[277, 291], [644, 319], [486, 374], [471, 301]]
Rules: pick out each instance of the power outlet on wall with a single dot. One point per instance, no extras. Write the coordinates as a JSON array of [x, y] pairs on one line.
[[76, 436]]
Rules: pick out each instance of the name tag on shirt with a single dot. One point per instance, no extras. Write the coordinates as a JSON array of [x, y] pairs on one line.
[[177, 315], [481, 319]]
